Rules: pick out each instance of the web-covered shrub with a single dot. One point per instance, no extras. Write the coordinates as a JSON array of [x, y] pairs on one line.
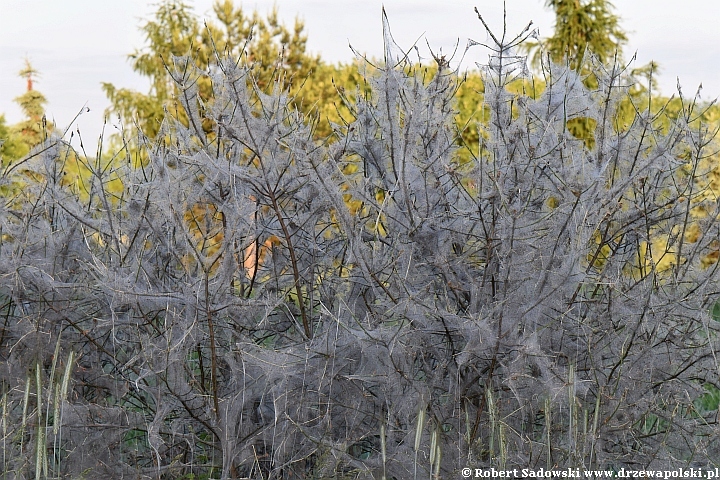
[[252, 303]]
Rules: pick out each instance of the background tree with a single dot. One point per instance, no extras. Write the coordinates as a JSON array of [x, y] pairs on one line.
[[273, 50], [582, 25], [34, 128], [11, 146]]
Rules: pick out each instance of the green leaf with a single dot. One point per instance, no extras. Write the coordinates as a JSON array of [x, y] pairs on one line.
[[715, 312]]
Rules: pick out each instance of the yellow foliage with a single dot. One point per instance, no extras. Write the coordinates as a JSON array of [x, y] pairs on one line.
[[711, 258], [205, 230], [658, 254]]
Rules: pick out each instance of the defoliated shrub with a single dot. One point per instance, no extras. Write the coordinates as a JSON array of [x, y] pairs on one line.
[[541, 306]]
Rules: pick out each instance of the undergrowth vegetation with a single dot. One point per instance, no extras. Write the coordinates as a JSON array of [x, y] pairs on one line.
[[254, 303]]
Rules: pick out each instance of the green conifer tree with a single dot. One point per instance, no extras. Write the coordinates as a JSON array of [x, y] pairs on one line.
[[32, 103], [582, 25], [18, 139]]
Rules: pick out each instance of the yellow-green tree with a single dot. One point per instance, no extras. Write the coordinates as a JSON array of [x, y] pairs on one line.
[[273, 50], [11, 147]]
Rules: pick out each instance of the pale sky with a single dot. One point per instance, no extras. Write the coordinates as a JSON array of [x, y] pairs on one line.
[[77, 44]]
